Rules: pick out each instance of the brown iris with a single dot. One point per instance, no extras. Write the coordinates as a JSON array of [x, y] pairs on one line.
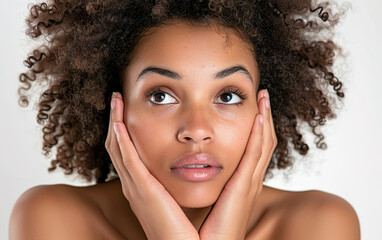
[[226, 97]]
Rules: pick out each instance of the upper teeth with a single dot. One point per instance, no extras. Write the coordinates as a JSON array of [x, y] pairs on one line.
[[195, 166]]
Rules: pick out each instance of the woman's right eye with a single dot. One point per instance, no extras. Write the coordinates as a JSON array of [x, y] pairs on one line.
[[161, 97]]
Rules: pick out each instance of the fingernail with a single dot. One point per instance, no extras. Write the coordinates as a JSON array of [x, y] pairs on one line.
[[266, 95], [114, 94], [267, 103], [112, 104], [261, 119]]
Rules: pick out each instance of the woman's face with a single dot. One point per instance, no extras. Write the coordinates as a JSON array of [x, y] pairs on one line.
[[188, 115]]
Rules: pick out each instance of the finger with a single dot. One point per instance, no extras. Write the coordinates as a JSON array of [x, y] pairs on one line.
[[273, 142], [269, 140], [267, 133], [274, 137], [110, 127], [253, 149], [130, 163], [265, 94], [111, 141], [130, 158]]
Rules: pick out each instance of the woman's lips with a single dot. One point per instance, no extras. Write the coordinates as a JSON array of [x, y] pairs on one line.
[[196, 167]]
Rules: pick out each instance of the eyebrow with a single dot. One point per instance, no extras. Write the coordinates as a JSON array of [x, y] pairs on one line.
[[219, 75]]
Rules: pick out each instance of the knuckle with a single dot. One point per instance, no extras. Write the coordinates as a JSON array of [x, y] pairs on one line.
[[126, 163], [113, 147], [126, 193], [275, 143], [243, 189], [107, 144], [270, 142], [257, 154], [259, 186]]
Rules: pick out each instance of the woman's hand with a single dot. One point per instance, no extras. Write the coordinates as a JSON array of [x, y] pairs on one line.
[[230, 215], [159, 214]]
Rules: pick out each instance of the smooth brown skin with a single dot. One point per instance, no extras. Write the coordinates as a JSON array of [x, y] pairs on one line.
[[150, 200]]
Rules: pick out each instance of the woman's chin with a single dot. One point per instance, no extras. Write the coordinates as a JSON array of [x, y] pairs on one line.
[[196, 204], [193, 194], [196, 197]]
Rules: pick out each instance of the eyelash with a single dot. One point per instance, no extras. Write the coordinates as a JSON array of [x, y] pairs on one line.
[[154, 90], [234, 90]]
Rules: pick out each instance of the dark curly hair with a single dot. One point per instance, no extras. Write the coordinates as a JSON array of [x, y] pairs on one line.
[[86, 47]]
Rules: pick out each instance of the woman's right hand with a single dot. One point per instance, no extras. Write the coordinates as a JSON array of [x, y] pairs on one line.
[[157, 211]]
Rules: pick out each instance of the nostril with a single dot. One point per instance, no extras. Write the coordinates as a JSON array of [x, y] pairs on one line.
[[190, 138], [197, 136]]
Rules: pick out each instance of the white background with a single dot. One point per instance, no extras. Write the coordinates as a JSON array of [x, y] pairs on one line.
[[351, 167]]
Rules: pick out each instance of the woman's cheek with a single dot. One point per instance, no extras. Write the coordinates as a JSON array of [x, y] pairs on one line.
[[135, 126], [148, 135], [236, 140], [240, 134]]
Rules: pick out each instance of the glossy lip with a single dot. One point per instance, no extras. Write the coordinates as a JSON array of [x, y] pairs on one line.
[[197, 174]]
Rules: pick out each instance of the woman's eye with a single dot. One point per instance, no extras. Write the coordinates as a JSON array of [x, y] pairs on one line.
[[229, 98], [230, 95], [162, 98]]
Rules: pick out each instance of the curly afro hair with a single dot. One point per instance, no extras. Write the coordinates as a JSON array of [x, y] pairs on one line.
[[86, 45]]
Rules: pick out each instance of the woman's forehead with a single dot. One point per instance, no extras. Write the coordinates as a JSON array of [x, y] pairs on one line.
[[171, 29], [185, 46]]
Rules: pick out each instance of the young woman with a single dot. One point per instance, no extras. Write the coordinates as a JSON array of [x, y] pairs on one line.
[[189, 128]]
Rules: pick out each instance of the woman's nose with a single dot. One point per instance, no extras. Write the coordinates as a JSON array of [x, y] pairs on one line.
[[196, 128]]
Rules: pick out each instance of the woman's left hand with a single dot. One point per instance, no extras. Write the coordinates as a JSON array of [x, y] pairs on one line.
[[231, 213]]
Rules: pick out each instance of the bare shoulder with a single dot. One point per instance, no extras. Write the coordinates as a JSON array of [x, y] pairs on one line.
[[317, 215], [53, 212]]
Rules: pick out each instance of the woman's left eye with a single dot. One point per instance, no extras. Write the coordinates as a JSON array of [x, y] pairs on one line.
[[231, 97]]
